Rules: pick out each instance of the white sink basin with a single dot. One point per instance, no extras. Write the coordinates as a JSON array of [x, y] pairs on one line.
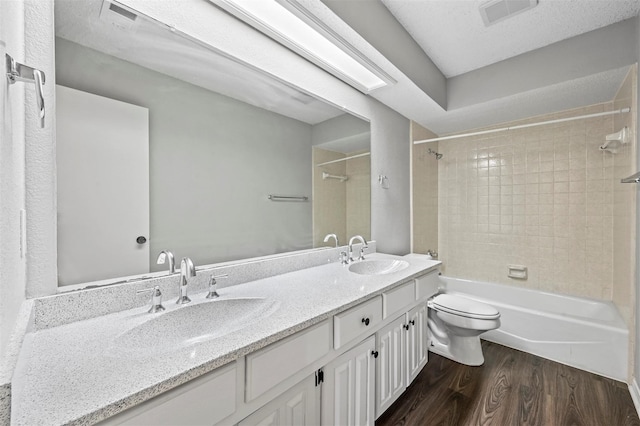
[[191, 324], [378, 267]]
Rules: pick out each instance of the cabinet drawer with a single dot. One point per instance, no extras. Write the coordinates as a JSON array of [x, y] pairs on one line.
[[355, 321], [397, 299], [202, 401], [279, 361], [427, 285]]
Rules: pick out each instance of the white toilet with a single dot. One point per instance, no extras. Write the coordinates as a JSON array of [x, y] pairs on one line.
[[455, 326]]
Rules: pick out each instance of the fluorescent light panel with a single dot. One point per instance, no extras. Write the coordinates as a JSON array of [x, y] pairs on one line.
[[278, 22]]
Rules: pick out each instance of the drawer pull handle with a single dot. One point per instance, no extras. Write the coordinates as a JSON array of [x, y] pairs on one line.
[[405, 326], [365, 321], [413, 322], [375, 354]]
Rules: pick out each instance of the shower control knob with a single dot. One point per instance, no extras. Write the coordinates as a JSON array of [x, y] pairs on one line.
[[365, 321], [141, 239]]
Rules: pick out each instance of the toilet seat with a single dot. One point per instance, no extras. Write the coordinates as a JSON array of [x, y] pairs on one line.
[[461, 306]]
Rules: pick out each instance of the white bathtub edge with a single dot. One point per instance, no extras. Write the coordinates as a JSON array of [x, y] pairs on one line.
[[575, 339], [634, 390]]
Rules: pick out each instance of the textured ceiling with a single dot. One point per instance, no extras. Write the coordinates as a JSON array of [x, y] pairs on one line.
[[77, 21], [453, 35]]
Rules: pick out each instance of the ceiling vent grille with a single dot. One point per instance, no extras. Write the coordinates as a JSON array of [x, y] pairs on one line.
[[499, 10], [117, 15]]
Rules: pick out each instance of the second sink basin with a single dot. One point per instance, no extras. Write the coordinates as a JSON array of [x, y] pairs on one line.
[[192, 324], [378, 267]]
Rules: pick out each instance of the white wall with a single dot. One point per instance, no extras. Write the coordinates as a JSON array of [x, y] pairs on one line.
[[344, 133], [368, 17], [12, 273], [566, 60], [390, 156], [213, 160]]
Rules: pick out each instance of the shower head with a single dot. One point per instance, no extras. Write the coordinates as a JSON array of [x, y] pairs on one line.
[[437, 155]]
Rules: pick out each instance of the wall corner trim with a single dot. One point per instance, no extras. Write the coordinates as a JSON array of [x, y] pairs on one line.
[[634, 390]]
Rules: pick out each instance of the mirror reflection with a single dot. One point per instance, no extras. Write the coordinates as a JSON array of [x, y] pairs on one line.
[[166, 144]]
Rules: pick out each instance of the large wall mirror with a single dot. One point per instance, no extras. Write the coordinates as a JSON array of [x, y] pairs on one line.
[[165, 144]]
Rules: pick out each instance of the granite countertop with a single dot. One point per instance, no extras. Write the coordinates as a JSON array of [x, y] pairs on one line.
[[77, 374]]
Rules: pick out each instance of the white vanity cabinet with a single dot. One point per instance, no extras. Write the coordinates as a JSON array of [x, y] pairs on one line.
[[299, 406], [391, 380], [369, 354], [356, 321], [203, 401], [427, 285], [402, 348], [417, 341], [402, 345], [349, 387], [275, 363]]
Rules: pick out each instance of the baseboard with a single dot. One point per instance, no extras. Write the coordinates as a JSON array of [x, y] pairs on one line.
[[635, 394]]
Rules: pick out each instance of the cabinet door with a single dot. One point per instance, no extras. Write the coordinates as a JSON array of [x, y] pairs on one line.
[[269, 366], [299, 406], [390, 364], [349, 387], [417, 342]]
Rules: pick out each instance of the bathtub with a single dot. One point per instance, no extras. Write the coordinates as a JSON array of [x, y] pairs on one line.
[[584, 333]]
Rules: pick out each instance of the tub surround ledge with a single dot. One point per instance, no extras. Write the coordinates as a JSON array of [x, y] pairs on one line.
[[75, 374]]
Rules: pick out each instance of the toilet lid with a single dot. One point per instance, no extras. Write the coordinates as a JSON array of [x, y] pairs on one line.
[[462, 306]]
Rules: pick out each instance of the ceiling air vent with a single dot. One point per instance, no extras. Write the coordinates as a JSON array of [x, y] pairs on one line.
[[117, 15], [499, 10]]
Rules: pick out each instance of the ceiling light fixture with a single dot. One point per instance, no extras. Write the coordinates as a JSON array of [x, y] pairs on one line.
[[288, 23]]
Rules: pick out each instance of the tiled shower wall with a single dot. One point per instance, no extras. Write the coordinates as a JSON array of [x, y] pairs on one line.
[[540, 197], [624, 201], [341, 208], [425, 191], [329, 197], [624, 213], [359, 196]]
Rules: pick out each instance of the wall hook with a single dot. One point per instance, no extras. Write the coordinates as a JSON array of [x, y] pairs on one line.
[[384, 181], [18, 72]]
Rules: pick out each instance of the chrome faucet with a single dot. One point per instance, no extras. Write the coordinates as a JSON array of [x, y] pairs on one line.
[[186, 270], [364, 246], [156, 299], [329, 236], [163, 256]]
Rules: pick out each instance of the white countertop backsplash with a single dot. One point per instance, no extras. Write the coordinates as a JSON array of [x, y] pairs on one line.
[[69, 370], [71, 306]]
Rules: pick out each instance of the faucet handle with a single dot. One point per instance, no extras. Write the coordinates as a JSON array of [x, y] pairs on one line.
[[156, 299], [344, 258], [364, 246], [432, 253], [213, 286]]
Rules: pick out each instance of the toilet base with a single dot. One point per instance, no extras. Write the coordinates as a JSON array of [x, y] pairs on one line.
[[465, 350]]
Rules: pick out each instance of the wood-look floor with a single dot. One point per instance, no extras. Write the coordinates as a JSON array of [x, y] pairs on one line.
[[511, 388]]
